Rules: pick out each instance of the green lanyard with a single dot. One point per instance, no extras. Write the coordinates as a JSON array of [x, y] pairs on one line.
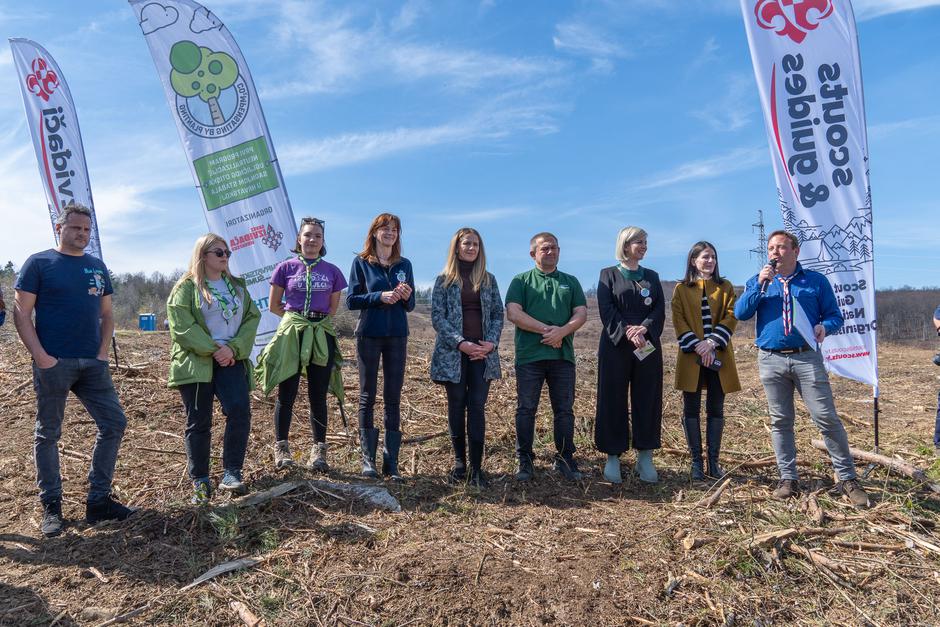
[[309, 267], [229, 309]]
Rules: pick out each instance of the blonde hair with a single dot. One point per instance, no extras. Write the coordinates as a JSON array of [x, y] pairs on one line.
[[451, 273], [197, 264], [368, 248], [627, 234]]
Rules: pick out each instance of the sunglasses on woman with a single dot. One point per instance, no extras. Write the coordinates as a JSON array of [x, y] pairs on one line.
[[218, 252]]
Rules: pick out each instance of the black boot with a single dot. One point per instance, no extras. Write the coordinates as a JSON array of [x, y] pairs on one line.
[[51, 524], [693, 437], [369, 441], [390, 455], [714, 426], [477, 478], [458, 473]]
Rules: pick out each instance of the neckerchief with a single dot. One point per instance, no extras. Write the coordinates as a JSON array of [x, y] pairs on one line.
[[229, 309], [308, 267], [787, 308]]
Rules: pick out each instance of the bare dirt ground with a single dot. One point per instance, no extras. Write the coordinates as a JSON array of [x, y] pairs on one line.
[[549, 552]]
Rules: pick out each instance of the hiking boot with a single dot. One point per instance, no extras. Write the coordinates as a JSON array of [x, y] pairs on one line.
[[282, 456], [105, 509], [318, 458], [568, 469], [202, 492], [787, 489], [852, 489], [478, 479], [526, 470], [232, 482], [936, 451], [457, 474], [51, 524]]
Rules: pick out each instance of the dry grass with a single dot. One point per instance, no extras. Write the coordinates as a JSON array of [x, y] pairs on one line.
[[544, 553]]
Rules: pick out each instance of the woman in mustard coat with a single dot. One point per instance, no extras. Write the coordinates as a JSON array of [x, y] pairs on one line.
[[703, 317]]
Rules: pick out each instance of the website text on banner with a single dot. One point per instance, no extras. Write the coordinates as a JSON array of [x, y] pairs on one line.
[[53, 125], [806, 60], [230, 152]]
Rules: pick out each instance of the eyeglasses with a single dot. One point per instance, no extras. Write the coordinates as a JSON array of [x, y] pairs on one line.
[[218, 252], [312, 221]]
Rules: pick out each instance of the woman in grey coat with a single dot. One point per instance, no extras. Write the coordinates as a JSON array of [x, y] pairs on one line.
[[467, 313]]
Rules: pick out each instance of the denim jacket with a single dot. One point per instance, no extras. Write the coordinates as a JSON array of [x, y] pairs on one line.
[[447, 318]]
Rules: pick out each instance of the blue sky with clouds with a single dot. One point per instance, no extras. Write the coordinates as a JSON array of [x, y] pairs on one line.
[[512, 117]]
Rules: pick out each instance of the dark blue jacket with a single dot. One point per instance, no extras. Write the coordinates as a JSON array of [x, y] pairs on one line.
[[367, 281], [810, 289]]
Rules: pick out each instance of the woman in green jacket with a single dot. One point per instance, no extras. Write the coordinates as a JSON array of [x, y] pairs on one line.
[[213, 321]]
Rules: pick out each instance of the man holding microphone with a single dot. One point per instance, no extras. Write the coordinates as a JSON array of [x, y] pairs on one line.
[[792, 303]]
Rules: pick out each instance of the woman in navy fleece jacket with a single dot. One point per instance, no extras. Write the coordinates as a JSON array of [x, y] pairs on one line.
[[381, 286]]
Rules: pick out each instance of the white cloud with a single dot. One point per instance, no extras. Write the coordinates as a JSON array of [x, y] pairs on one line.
[[921, 126], [409, 14], [868, 9], [712, 167], [478, 215], [334, 53], [733, 108], [580, 38]]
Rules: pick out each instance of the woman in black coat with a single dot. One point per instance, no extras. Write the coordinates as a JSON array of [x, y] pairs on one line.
[[630, 359]]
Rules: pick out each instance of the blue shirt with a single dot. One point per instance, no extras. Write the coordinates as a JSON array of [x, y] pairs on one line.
[[810, 289], [68, 293], [367, 281]]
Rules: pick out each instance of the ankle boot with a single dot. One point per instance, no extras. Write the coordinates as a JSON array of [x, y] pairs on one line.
[[459, 472], [645, 467], [714, 426], [369, 441], [477, 478], [693, 437], [390, 455], [612, 469]]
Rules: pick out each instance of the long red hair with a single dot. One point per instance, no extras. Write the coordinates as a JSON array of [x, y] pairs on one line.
[[368, 249]]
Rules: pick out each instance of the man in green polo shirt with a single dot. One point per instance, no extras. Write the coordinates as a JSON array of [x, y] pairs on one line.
[[547, 307]]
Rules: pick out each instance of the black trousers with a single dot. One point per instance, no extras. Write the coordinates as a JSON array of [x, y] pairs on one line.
[[714, 402], [393, 351], [466, 401], [629, 398], [230, 386], [318, 384], [560, 376]]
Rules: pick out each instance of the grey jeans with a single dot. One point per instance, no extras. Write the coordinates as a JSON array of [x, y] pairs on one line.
[[805, 373], [90, 381]]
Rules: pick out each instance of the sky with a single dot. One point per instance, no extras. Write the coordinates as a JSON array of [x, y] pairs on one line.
[[512, 117]]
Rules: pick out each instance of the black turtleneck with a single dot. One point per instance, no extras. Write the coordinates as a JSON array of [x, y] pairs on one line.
[[470, 301]]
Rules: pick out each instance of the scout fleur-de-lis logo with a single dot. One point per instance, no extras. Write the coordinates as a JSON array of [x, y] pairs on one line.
[[272, 239], [792, 18], [43, 81]]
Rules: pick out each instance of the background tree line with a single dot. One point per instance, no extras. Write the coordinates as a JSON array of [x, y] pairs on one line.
[[904, 313]]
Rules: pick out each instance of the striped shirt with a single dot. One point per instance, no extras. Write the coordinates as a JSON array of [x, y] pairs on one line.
[[719, 334]]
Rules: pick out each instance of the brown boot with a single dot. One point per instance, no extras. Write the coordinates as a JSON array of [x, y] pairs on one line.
[[787, 489], [853, 490]]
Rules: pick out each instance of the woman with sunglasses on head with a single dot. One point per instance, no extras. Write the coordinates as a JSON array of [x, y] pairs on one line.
[[381, 287], [703, 317], [213, 321], [305, 293], [467, 313]]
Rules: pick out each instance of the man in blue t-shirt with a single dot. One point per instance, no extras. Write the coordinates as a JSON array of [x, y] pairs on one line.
[[70, 292]]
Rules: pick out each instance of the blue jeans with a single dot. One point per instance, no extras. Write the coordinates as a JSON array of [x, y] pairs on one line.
[[230, 386], [805, 373], [90, 381], [936, 429], [560, 376], [393, 351]]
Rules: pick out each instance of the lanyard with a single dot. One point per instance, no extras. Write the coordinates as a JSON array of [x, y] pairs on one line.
[[229, 309], [308, 267]]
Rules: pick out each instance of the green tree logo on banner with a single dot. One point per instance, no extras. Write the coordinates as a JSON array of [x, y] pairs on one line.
[[200, 72]]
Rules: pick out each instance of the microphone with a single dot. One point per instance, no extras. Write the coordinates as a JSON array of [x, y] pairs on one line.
[[763, 285]]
